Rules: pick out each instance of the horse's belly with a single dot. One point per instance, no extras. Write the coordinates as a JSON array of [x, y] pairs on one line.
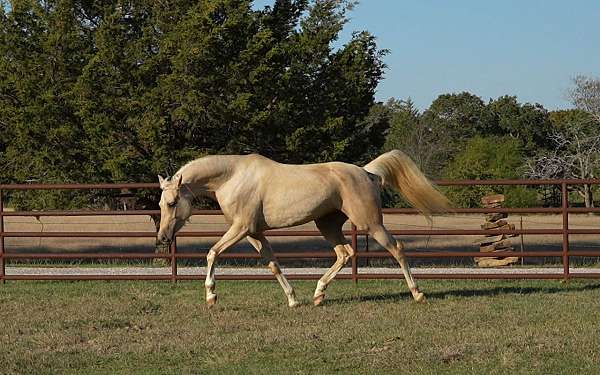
[[294, 213]]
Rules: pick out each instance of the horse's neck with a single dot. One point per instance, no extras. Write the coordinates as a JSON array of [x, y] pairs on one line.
[[208, 173]]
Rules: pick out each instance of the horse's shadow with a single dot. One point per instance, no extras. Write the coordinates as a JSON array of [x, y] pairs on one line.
[[488, 292]]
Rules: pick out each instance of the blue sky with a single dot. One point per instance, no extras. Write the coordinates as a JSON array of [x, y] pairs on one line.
[[527, 48]]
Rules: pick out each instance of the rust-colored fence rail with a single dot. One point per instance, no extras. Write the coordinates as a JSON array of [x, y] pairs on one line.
[[564, 254]]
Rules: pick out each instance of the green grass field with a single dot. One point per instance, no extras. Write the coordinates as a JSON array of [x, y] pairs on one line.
[[475, 327]]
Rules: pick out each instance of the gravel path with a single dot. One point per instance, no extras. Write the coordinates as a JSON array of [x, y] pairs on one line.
[[264, 271]]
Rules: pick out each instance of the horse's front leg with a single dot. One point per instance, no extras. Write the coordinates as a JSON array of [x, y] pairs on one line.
[[230, 238], [263, 247]]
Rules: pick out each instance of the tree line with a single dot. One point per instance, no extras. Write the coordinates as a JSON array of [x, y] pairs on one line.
[[459, 136], [123, 90]]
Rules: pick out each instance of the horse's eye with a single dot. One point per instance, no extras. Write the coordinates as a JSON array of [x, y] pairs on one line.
[[172, 204]]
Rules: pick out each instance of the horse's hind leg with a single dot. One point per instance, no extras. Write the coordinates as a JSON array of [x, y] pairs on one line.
[[331, 228], [230, 238], [263, 247], [385, 239]]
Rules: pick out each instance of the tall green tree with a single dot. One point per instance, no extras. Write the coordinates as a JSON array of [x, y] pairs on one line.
[[222, 78], [453, 119], [42, 51], [487, 158], [457, 116], [530, 123], [410, 133], [120, 91]]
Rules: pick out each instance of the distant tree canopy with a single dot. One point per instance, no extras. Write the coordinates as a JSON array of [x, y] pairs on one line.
[[459, 136], [121, 91], [437, 135], [493, 157], [575, 153], [585, 95]]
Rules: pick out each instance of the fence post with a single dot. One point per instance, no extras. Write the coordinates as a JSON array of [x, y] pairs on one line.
[[367, 263], [2, 265], [173, 249], [354, 258], [565, 242]]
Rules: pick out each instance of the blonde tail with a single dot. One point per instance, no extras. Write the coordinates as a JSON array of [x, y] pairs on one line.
[[400, 172]]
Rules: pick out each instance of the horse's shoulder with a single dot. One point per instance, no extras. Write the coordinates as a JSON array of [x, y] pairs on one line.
[[255, 164]]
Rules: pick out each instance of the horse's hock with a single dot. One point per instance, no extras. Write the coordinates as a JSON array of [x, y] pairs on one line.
[[496, 243]]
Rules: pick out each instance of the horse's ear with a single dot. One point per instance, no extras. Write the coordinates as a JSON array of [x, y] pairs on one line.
[[161, 181], [178, 180]]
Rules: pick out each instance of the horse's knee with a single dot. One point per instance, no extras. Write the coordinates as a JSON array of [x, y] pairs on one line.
[[344, 259], [211, 256], [350, 252], [274, 267]]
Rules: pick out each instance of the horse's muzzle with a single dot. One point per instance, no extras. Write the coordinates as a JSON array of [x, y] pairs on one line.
[[164, 239]]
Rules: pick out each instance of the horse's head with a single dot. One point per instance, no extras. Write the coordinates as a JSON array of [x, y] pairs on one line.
[[175, 208]]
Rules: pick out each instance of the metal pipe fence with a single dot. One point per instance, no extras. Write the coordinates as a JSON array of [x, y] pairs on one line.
[[565, 254]]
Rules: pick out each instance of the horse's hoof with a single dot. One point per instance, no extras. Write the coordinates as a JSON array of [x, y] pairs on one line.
[[211, 301], [318, 299], [294, 304], [419, 297]]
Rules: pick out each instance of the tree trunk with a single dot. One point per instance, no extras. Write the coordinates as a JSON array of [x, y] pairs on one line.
[[588, 196]]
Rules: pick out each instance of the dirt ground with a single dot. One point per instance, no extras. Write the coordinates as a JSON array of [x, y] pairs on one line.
[[282, 244]]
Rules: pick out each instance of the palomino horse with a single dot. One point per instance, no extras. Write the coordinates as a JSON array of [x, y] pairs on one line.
[[257, 194]]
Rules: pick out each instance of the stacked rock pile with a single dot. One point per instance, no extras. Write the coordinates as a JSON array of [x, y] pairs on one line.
[[496, 243]]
